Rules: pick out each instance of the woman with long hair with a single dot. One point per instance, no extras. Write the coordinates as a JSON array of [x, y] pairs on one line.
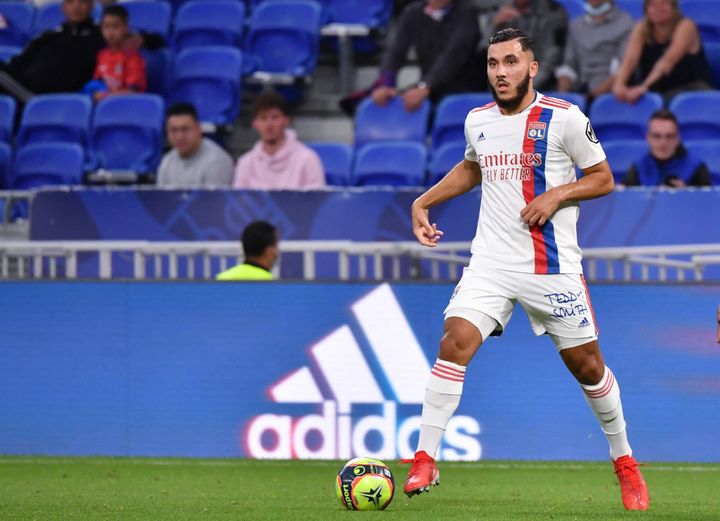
[[664, 54]]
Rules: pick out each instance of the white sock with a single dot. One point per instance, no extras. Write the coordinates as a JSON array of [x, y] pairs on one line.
[[442, 397], [604, 400]]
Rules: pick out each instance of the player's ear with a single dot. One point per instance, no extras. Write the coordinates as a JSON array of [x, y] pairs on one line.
[[533, 68]]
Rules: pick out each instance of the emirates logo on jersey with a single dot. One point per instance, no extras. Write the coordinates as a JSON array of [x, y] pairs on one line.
[[510, 159]]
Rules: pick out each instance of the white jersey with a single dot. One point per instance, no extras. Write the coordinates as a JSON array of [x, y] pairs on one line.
[[522, 156]]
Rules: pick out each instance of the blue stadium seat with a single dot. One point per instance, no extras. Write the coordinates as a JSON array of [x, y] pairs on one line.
[[622, 154], [449, 124], [712, 51], [7, 118], [697, 114], [370, 13], [149, 16], [127, 132], [209, 22], [572, 97], [337, 162], [42, 164], [706, 15], [444, 158], [55, 118], [616, 120], [19, 19], [5, 166], [633, 7], [8, 51], [393, 163], [707, 150], [283, 38], [391, 122], [209, 78], [574, 8]]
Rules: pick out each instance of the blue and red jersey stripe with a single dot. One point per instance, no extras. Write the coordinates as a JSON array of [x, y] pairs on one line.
[[543, 237]]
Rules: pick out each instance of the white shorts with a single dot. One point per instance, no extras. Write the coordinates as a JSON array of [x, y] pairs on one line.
[[557, 304]]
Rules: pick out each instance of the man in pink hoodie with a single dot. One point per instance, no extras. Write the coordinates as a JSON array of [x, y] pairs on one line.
[[278, 161]]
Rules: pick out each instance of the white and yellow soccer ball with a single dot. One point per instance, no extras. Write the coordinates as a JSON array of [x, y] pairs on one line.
[[365, 484]]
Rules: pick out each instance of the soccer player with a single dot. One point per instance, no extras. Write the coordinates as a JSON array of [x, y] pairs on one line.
[[523, 148]]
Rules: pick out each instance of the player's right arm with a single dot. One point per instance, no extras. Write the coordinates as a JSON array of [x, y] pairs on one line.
[[463, 177]]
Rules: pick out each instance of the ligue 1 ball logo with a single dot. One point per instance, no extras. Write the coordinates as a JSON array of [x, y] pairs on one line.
[[365, 484]]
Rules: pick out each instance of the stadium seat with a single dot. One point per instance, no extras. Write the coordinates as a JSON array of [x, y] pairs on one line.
[[8, 51], [707, 150], [444, 158], [370, 13], [572, 97], [19, 18], [622, 154], [5, 166], [712, 52], [706, 15], [209, 22], [127, 132], [55, 118], [283, 38], [449, 125], [209, 78], [574, 8], [633, 7], [7, 118], [697, 114], [149, 16], [42, 164], [391, 122], [394, 163], [616, 120], [337, 162]]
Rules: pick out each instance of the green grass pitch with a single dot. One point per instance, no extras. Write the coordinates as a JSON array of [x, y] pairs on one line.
[[35, 488]]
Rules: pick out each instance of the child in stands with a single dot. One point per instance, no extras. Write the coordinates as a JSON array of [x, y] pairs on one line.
[[120, 68]]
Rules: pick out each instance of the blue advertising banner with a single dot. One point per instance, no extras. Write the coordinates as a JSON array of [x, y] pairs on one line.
[[299, 370], [633, 217]]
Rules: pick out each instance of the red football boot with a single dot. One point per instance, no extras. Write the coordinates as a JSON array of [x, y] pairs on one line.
[[632, 484], [423, 474]]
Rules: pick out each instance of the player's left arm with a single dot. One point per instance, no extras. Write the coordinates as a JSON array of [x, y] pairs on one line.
[[595, 182]]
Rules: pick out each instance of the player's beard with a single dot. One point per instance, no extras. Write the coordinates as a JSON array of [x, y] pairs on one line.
[[513, 103]]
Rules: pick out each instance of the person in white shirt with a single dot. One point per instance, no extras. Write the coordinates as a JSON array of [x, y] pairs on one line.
[[523, 148]]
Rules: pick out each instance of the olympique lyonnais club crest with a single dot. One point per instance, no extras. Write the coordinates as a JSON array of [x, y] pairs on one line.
[[536, 130]]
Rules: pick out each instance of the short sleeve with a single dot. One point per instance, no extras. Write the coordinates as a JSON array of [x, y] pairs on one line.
[[580, 141], [470, 153]]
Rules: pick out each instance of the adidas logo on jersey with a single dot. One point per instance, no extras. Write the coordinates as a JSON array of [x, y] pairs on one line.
[[584, 322], [481, 137], [344, 385]]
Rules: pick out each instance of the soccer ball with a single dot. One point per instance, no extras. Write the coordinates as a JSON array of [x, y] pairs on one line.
[[365, 484]]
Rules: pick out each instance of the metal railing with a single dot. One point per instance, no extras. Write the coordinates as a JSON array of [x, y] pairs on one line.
[[349, 260]]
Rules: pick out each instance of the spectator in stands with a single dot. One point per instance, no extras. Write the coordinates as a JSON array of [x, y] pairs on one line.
[[445, 35], [260, 246], [546, 22], [278, 161], [594, 49], [667, 162], [664, 54], [119, 69], [194, 161], [61, 60]]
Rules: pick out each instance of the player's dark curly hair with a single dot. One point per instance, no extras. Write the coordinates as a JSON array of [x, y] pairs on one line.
[[505, 35]]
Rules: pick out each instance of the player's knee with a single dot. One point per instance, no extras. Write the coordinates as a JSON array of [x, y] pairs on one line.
[[456, 349], [591, 371]]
